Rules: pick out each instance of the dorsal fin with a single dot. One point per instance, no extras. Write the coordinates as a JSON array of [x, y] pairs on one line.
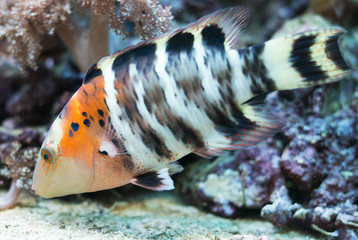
[[92, 72], [231, 21]]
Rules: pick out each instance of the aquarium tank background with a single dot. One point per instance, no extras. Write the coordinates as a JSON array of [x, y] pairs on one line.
[[301, 183]]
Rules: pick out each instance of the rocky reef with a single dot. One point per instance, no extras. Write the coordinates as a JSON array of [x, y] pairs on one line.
[[305, 175]]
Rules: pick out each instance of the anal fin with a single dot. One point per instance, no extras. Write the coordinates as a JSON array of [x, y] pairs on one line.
[[256, 125]]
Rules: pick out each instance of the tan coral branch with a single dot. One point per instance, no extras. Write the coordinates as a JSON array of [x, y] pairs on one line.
[[87, 45], [10, 199]]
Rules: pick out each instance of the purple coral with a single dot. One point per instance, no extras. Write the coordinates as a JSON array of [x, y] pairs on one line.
[[233, 182]]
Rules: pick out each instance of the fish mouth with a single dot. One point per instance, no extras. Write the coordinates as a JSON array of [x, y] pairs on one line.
[[61, 180]]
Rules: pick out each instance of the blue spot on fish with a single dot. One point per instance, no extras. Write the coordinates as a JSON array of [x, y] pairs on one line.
[[75, 126], [87, 122]]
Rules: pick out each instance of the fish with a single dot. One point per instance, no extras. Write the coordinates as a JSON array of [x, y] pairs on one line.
[[140, 110]]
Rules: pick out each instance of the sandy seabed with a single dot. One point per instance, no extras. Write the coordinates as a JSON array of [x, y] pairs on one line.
[[146, 215]]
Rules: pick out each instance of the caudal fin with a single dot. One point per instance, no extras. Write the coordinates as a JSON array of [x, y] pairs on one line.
[[295, 61], [305, 59]]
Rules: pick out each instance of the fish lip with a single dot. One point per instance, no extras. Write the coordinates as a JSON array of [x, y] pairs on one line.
[[59, 185]]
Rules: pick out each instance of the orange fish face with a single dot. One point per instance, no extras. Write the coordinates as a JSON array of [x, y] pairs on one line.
[[65, 163], [60, 168], [69, 161]]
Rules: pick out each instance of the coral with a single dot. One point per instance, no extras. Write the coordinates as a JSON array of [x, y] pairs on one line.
[[20, 164], [23, 24], [18, 153], [10, 199], [149, 16]]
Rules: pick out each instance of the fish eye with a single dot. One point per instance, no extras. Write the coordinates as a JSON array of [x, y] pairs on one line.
[[47, 155]]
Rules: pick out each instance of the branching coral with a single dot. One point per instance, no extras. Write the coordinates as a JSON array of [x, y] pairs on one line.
[[23, 22], [20, 160], [149, 17]]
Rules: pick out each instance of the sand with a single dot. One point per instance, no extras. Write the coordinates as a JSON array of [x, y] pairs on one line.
[[143, 215]]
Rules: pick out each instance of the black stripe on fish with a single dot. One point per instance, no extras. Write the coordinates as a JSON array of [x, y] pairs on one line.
[[302, 61], [261, 70], [122, 61], [180, 42], [128, 113], [105, 103], [224, 76], [92, 72], [219, 117], [184, 132], [190, 87], [333, 53], [142, 55], [154, 96], [121, 150], [153, 142], [213, 36], [255, 70], [147, 103], [229, 120]]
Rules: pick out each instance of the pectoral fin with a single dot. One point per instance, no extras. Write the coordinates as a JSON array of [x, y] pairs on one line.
[[157, 180]]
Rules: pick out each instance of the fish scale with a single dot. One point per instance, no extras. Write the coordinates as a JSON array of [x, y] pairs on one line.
[[190, 91]]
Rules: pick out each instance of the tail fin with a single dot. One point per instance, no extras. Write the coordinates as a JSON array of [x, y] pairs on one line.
[[295, 61], [305, 59]]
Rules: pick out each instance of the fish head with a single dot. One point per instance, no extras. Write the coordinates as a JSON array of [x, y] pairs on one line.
[[76, 156], [65, 162]]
